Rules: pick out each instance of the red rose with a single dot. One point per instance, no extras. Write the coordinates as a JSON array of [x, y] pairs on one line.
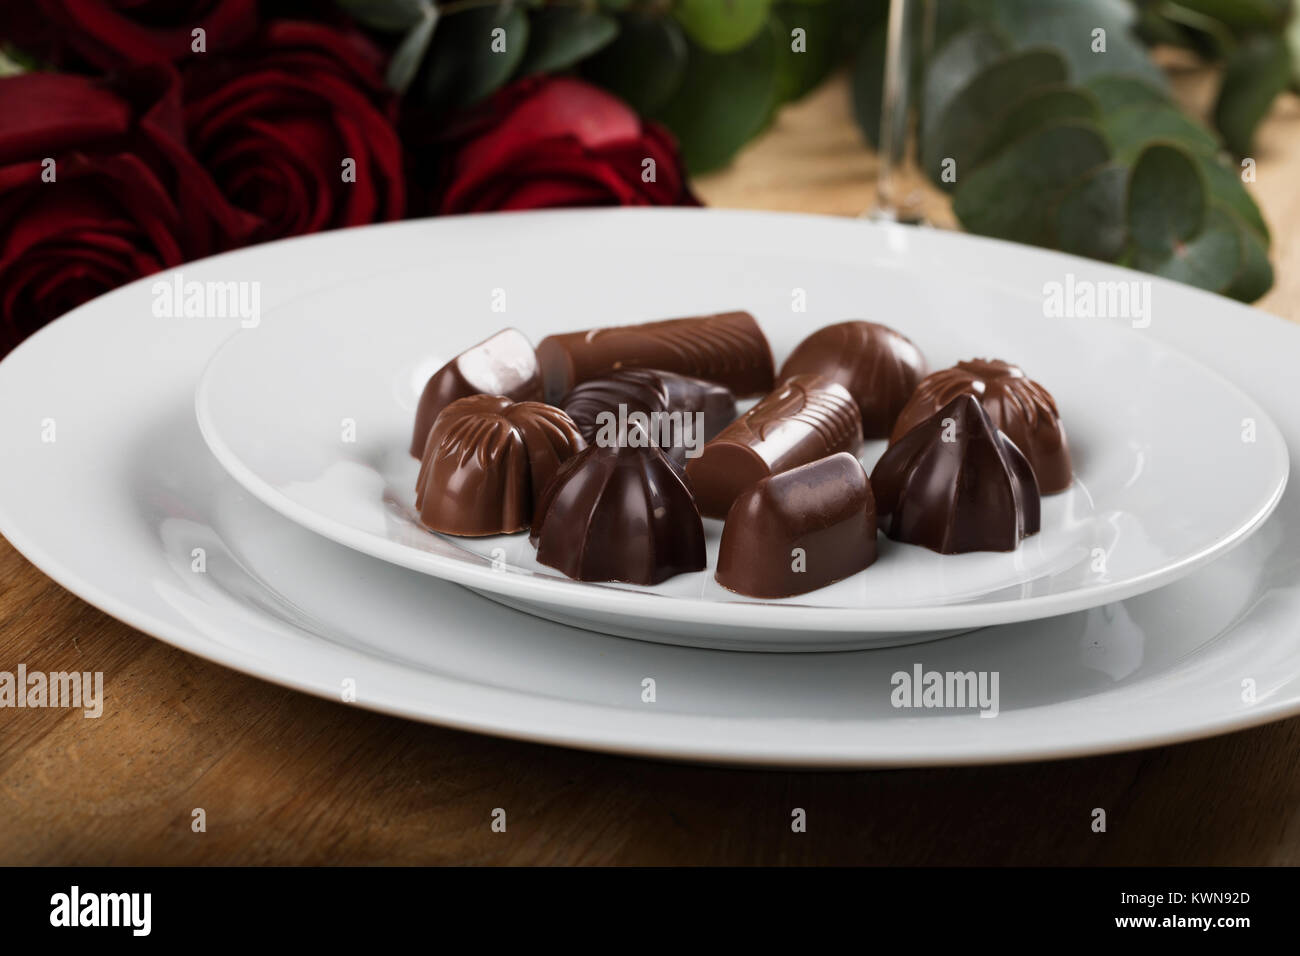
[[556, 141], [122, 197], [116, 33], [299, 131]]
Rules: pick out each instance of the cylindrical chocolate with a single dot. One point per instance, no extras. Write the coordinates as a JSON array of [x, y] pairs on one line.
[[505, 365], [805, 418], [879, 366], [800, 530], [728, 348]]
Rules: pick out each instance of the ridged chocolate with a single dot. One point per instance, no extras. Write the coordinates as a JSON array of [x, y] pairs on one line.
[[488, 460], [954, 483], [879, 366], [651, 392], [1017, 405], [800, 530], [807, 417], [728, 348], [505, 365], [619, 513]]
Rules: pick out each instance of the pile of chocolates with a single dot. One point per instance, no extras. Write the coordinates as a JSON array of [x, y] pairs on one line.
[[611, 446]]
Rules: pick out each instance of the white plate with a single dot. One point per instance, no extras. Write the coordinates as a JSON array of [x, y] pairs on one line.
[[312, 412], [114, 509]]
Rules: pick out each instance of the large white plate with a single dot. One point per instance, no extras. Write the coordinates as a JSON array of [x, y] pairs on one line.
[[312, 412], [116, 506]]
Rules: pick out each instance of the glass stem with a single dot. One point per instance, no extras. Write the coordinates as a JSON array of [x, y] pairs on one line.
[[893, 107]]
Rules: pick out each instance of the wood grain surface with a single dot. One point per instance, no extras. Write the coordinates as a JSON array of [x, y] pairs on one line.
[[285, 778]]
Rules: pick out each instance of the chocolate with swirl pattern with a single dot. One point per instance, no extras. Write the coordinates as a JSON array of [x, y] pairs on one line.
[[728, 348], [807, 417]]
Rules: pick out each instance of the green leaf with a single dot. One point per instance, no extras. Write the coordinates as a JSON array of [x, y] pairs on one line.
[[1014, 195], [1242, 15], [1166, 201], [408, 56], [722, 27], [645, 63], [801, 70], [967, 130], [723, 101], [1226, 188], [463, 66], [1068, 25], [1091, 220], [1210, 260], [1256, 72], [388, 16], [1115, 92], [1255, 275], [1046, 106], [559, 37], [1130, 130], [955, 65]]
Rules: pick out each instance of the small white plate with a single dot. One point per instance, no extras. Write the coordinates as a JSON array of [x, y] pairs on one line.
[[312, 412], [118, 507]]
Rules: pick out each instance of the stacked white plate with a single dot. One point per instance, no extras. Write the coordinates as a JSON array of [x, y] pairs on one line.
[[245, 493]]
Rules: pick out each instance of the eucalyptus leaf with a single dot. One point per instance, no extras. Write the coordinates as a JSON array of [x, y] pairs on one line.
[[967, 130], [388, 16], [559, 37], [645, 63], [406, 59], [1091, 217], [464, 67], [1210, 260], [1045, 106], [1166, 201], [1227, 189], [1255, 274], [1014, 194], [955, 64], [1242, 15], [1131, 130], [1116, 91], [1256, 72], [723, 100], [722, 27]]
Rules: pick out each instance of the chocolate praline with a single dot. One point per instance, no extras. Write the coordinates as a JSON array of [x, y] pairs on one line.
[[954, 483], [504, 364], [487, 461], [1016, 405], [878, 365], [619, 513], [800, 530]]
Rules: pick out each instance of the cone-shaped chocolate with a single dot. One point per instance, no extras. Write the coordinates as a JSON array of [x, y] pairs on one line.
[[805, 418], [1017, 405], [487, 461], [955, 483], [879, 366], [800, 530], [729, 349], [618, 513], [505, 365], [675, 399]]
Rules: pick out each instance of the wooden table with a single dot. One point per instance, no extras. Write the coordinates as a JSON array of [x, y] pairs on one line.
[[286, 778]]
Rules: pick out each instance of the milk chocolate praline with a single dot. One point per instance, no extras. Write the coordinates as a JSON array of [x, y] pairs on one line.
[[728, 348], [504, 364], [1017, 405], [805, 418], [879, 366], [954, 483], [619, 513], [800, 530], [487, 461]]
